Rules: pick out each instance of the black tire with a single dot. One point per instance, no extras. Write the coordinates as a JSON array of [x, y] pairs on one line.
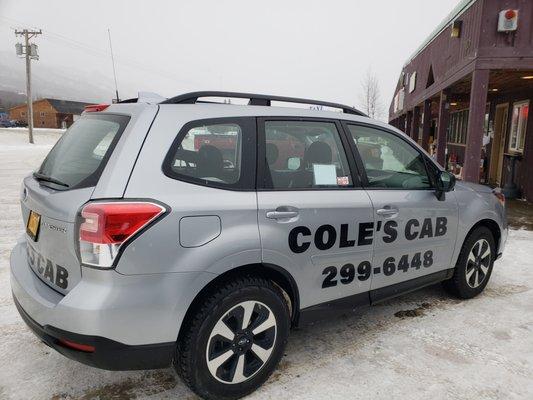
[[463, 283], [191, 361]]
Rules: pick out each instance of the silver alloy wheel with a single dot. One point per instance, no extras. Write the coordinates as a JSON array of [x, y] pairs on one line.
[[477, 265], [241, 342]]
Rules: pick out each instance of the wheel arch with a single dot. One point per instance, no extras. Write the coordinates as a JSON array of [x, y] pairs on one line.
[[492, 226], [276, 274]]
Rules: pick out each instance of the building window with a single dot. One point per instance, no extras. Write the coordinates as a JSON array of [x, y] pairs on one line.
[[518, 126], [458, 127], [23, 113], [398, 100], [42, 113], [431, 78], [412, 82]]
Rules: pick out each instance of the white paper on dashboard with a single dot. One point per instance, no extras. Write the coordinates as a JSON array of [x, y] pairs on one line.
[[325, 174]]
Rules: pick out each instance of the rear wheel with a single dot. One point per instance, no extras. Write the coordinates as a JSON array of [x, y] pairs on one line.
[[474, 265], [235, 340]]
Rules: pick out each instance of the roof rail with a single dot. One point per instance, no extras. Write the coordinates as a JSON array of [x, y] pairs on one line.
[[256, 100]]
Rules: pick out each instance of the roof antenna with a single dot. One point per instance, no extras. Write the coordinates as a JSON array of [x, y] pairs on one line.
[[113, 62]]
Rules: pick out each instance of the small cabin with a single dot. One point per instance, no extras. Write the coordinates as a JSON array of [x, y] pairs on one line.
[[49, 113]]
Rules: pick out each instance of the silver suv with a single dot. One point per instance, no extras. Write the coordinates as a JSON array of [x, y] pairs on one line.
[[181, 231]]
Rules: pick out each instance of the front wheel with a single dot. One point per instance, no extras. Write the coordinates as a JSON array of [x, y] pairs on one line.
[[474, 264], [235, 340]]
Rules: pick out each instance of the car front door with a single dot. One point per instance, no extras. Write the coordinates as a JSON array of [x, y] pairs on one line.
[[314, 220], [415, 231]]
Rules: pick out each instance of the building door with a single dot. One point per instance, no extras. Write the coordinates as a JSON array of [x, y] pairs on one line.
[[498, 144]]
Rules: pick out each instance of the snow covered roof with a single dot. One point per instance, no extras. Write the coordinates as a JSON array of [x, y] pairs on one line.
[[67, 106]]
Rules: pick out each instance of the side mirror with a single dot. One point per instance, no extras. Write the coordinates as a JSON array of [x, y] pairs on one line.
[[445, 182]]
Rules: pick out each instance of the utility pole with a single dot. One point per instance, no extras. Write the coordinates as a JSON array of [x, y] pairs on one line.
[[29, 50]]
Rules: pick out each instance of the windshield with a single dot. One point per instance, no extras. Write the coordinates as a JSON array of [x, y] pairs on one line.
[[78, 158]]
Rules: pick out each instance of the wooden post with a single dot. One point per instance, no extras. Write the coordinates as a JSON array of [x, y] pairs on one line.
[[400, 124], [526, 181], [476, 123], [409, 122], [415, 124], [442, 130], [426, 124]]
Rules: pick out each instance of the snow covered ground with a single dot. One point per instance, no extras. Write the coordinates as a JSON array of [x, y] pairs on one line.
[[420, 346]]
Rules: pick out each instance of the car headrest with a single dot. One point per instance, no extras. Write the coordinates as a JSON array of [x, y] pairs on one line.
[[210, 162], [317, 153], [272, 153]]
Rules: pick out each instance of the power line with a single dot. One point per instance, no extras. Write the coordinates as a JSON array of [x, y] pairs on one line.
[[106, 54]]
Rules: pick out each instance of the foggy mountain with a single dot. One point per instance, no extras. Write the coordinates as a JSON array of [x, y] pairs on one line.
[[58, 82]]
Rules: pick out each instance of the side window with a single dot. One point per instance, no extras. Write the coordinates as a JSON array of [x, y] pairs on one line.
[[304, 155], [101, 148], [389, 161], [212, 153]]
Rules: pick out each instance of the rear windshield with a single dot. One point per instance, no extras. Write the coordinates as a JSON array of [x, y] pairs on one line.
[[78, 158]]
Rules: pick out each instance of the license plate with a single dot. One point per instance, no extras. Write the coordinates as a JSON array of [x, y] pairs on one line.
[[32, 228]]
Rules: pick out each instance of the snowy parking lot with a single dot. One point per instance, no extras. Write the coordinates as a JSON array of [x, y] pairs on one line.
[[419, 346]]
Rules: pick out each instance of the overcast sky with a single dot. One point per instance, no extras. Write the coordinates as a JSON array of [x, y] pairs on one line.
[[316, 49]]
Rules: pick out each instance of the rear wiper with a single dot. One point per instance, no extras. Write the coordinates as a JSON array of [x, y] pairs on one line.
[[46, 178]]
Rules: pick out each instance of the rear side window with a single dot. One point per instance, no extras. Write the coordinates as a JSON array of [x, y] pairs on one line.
[[304, 155], [79, 157], [218, 153]]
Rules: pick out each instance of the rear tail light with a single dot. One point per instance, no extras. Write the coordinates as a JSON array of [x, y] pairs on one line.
[[105, 227]]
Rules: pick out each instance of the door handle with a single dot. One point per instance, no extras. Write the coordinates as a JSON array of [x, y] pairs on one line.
[[387, 211], [281, 214]]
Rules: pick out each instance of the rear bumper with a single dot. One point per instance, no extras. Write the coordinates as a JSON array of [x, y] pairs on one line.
[[132, 321], [107, 353]]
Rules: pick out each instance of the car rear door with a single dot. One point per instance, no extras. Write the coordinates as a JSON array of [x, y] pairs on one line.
[[203, 169], [415, 231], [314, 219]]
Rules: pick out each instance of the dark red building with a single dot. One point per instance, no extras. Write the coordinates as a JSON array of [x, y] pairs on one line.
[[466, 91]]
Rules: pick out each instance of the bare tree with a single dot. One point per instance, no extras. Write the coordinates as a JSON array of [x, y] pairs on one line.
[[370, 96]]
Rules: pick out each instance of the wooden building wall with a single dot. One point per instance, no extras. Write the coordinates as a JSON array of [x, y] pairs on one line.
[[494, 46], [44, 115], [450, 58], [480, 46]]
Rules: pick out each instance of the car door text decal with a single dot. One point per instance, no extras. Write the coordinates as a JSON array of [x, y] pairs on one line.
[[389, 267], [325, 236]]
